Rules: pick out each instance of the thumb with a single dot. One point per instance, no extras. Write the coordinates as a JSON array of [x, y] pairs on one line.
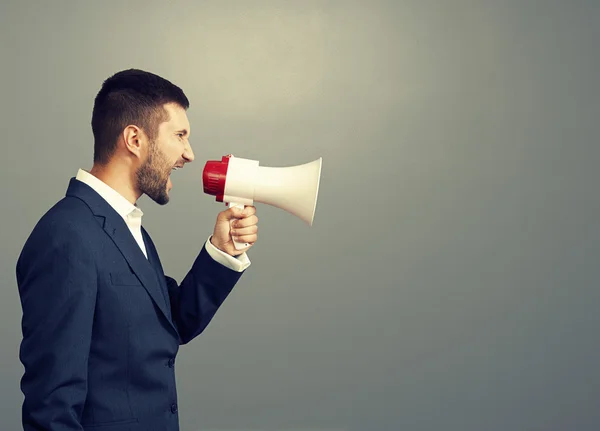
[[232, 213]]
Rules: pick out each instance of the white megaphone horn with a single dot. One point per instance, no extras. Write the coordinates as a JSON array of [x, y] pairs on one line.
[[239, 182]]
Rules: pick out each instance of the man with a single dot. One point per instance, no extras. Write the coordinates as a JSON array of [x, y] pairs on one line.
[[102, 323]]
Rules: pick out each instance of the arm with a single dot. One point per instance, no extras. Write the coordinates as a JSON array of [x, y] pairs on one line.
[[56, 276], [203, 290], [214, 273]]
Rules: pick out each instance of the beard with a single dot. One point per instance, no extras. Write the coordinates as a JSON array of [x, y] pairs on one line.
[[152, 177]]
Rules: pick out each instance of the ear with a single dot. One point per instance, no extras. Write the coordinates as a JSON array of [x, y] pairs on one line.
[[135, 140]]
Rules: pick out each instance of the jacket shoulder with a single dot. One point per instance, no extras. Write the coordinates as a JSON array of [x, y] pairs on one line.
[[68, 213], [69, 219]]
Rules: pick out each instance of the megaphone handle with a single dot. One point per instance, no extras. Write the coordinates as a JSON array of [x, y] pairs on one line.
[[238, 245]]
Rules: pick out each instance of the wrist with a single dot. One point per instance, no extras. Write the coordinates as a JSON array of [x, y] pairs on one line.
[[219, 248], [213, 243]]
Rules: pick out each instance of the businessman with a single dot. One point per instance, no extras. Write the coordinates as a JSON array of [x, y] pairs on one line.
[[102, 323]]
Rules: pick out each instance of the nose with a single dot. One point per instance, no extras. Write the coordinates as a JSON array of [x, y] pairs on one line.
[[188, 153]]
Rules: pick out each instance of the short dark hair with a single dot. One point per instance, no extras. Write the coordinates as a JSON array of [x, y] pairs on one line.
[[131, 96]]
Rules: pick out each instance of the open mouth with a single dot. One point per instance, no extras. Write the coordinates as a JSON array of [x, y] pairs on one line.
[[175, 168]]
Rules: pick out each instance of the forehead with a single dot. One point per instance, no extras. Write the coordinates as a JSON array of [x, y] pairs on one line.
[[177, 118]]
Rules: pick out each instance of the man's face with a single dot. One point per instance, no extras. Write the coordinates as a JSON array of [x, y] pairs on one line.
[[170, 150]]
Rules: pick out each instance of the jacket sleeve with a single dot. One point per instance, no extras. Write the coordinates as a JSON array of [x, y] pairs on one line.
[[56, 276], [196, 300]]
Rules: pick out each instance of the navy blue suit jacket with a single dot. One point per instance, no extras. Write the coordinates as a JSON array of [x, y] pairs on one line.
[[102, 323]]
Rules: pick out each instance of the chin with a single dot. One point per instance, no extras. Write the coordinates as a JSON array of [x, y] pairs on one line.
[[160, 195], [161, 199], [164, 198]]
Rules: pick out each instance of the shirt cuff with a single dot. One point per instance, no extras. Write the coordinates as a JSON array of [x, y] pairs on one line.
[[238, 263]]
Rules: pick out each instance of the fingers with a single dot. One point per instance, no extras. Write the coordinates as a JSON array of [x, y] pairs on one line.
[[242, 223], [245, 230], [238, 213], [251, 239], [246, 212], [250, 230], [245, 222]]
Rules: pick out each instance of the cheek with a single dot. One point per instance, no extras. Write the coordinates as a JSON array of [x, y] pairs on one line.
[[174, 152]]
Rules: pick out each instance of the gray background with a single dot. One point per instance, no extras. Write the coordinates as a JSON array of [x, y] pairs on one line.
[[450, 280]]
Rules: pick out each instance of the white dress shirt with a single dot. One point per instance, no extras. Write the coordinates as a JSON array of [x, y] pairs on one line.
[[132, 215]]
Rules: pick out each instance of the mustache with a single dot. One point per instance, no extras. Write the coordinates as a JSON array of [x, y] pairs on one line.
[[180, 164]]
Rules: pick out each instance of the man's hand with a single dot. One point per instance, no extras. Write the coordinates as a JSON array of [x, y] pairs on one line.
[[243, 227]]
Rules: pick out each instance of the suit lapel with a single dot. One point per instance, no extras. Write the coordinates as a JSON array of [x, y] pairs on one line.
[[155, 263], [153, 258], [117, 230]]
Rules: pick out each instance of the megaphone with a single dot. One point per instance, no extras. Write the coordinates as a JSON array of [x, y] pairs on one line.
[[238, 182]]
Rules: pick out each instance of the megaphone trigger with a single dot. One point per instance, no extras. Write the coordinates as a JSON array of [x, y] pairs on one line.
[[238, 245]]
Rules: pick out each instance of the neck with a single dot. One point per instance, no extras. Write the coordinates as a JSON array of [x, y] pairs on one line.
[[118, 178]]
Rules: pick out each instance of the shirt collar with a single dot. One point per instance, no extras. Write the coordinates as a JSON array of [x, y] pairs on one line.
[[119, 203]]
